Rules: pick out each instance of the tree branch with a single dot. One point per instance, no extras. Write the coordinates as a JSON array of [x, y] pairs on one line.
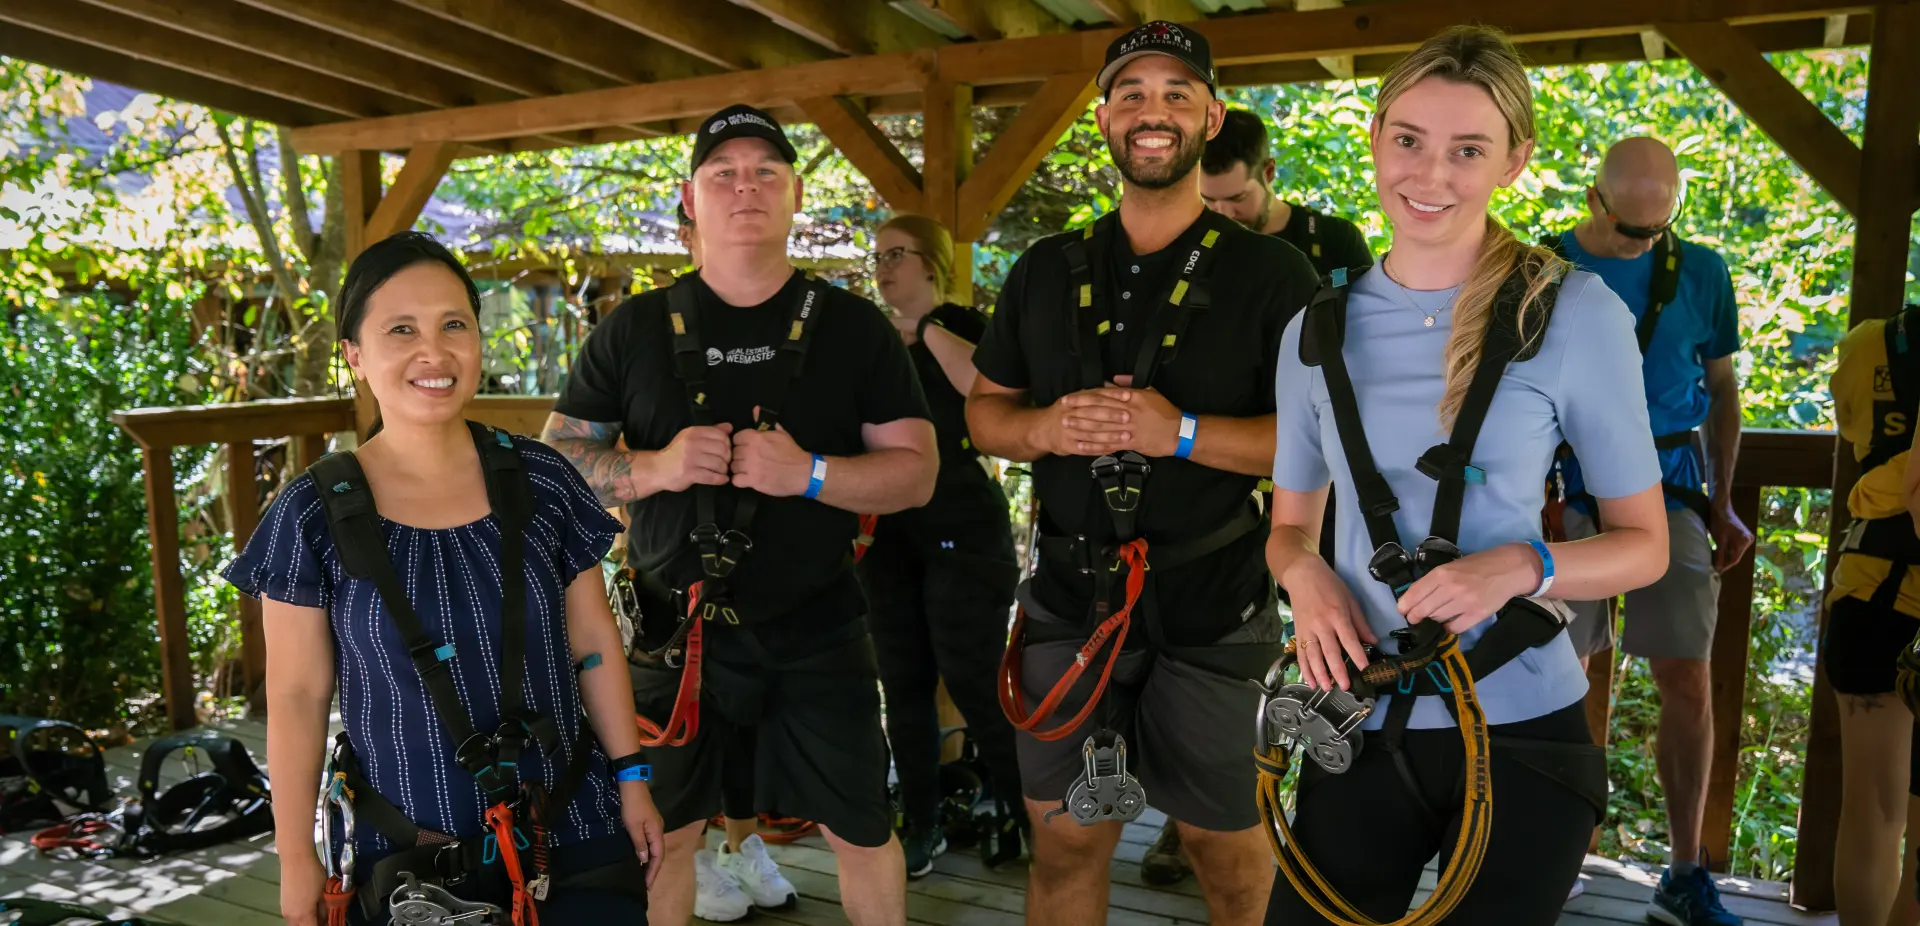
[[294, 194], [258, 217]]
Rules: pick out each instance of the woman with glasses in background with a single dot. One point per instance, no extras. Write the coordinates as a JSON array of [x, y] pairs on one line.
[[940, 579]]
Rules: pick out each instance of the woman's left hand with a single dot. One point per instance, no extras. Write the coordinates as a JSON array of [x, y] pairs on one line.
[[1473, 588], [643, 826]]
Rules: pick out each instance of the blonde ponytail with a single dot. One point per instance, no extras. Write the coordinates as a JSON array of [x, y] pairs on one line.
[[1473, 309]]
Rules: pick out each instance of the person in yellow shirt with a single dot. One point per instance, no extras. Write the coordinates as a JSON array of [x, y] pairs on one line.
[[1873, 614]]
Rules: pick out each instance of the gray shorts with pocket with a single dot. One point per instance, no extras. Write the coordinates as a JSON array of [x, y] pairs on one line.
[[1189, 729], [1671, 619]]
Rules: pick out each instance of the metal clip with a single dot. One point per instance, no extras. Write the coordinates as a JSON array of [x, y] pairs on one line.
[[1104, 791], [1326, 723], [417, 904], [334, 796], [538, 888], [625, 599]]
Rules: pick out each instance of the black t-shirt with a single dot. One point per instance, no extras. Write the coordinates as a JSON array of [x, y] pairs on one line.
[[1224, 365], [856, 372], [1327, 241], [968, 512]]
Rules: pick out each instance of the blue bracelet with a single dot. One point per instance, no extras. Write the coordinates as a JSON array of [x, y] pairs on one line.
[[1188, 425], [1546, 567], [819, 478], [634, 773]]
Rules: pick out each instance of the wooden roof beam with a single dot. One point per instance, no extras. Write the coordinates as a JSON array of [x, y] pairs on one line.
[[1738, 68], [335, 56], [1340, 66], [400, 207], [968, 17], [1018, 150], [566, 34], [1119, 12], [868, 149], [78, 58], [849, 27], [416, 35], [178, 50], [727, 36], [692, 97]]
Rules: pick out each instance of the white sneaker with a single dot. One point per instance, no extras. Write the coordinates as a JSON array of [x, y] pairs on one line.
[[754, 870], [716, 896]]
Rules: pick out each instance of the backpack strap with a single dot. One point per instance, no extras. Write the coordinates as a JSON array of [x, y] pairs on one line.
[[1898, 334], [1662, 289], [1192, 293], [1086, 261]]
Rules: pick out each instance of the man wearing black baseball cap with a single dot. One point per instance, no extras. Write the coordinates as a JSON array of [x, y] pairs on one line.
[[1131, 364], [760, 410]]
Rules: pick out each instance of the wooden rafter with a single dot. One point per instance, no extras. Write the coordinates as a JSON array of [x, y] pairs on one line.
[[360, 188], [693, 97], [181, 51], [1018, 149], [335, 56], [1772, 101], [569, 35], [400, 206], [425, 38], [1118, 12], [726, 35], [868, 149], [1340, 66], [850, 27], [968, 17], [947, 140], [1178, 11], [77, 58]]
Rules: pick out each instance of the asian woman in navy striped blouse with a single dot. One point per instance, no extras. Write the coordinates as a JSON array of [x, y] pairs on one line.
[[409, 322]]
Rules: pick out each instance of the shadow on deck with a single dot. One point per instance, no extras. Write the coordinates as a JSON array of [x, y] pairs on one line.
[[237, 884]]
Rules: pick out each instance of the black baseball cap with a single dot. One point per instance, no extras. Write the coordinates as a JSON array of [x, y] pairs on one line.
[[1159, 37], [739, 121]]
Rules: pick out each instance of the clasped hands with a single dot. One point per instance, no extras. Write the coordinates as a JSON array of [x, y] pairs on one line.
[[768, 462], [1112, 418]]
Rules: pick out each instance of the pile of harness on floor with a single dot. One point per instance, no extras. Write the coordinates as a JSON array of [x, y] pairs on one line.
[[28, 911], [53, 779]]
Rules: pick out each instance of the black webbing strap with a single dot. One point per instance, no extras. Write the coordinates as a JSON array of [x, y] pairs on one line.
[[1189, 293], [1327, 314], [1088, 556], [722, 550], [1313, 235], [353, 519], [1906, 392], [1662, 289]]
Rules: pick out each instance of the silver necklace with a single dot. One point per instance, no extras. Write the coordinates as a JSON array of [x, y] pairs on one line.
[[1401, 294]]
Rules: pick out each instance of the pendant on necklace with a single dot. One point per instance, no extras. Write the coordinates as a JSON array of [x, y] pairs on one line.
[[1428, 321]]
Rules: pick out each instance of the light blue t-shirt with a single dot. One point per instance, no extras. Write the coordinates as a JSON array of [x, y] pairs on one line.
[[1583, 386], [1701, 324]]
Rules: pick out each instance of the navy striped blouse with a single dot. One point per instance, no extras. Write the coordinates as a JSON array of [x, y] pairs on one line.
[[453, 578]]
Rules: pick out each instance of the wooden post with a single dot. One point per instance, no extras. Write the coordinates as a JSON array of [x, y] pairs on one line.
[[1889, 165], [306, 449], [1018, 150], [1731, 632], [169, 592], [947, 137], [360, 184], [243, 515]]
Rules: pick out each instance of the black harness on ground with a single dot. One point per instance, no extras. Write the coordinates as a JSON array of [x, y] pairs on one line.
[[1662, 289], [230, 800], [34, 912], [1105, 791], [1428, 661], [491, 757], [49, 770], [1891, 538]]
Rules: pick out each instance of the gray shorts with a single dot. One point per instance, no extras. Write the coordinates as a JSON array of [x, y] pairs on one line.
[[1189, 730], [1671, 619]]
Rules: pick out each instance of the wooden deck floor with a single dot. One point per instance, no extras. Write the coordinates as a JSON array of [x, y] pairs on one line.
[[237, 884]]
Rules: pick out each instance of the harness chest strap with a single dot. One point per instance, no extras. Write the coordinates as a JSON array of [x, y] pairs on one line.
[[1090, 320]]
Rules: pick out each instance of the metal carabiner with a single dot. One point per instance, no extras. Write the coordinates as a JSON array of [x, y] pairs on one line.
[[335, 796]]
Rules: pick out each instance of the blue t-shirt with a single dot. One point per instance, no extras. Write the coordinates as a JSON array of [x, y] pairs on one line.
[[1701, 324], [453, 578], [1581, 387]]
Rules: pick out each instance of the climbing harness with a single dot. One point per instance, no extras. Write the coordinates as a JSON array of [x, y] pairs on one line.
[[28, 911], [1105, 790], [227, 801], [1662, 289], [416, 904], [49, 771], [1326, 725], [492, 757], [335, 796]]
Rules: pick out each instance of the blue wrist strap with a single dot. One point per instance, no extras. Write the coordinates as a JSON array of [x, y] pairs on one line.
[[819, 479], [1188, 425], [1546, 567], [634, 773]]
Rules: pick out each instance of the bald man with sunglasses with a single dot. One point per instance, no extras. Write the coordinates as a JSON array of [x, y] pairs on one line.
[[1681, 296]]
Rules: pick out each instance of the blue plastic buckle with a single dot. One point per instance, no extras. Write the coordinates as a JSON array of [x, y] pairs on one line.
[[1439, 678], [1474, 475], [444, 653], [490, 850], [504, 440], [1339, 276], [342, 488]]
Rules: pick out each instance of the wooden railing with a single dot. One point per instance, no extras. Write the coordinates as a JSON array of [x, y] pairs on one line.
[[1767, 459]]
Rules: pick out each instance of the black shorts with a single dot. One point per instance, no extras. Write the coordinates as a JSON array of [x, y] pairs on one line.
[[789, 725], [1187, 725], [1862, 643]]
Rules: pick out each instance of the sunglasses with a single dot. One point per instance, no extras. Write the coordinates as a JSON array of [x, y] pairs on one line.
[[891, 256], [1639, 232]]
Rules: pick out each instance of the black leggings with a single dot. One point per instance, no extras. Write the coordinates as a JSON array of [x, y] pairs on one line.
[[1540, 826], [934, 615]]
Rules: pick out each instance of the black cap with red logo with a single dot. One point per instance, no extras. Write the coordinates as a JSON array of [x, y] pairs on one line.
[[1186, 46]]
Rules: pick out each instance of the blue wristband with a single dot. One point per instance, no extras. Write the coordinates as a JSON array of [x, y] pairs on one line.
[[634, 773], [819, 478], [1546, 568], [1188, 425]]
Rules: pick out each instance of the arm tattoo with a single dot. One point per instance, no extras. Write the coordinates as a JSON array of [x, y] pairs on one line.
[[588, 445]]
